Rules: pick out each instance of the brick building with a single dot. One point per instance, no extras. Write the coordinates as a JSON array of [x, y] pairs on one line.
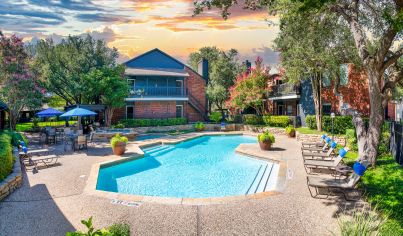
[[163, 87], [297, 100]]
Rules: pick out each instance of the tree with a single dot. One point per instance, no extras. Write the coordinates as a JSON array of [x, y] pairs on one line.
[[223, 68], [113, 88], [313, 45], [249, 89], [64, 66], [376, 27], [19, 88]]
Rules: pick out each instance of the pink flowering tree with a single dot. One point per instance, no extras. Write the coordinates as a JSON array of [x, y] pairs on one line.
[[249, 89], [18, 82]]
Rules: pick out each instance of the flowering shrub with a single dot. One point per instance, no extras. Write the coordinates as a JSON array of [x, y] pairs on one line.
[[249, 89]]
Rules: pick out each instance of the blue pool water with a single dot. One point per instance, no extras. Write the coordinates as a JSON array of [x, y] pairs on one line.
[[203, 167]]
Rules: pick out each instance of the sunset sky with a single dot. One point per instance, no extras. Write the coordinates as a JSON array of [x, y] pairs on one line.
[[136, 26]]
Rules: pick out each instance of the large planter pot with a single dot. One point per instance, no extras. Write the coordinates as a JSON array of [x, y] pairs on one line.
[[265, 145], [199, 130], [291, 134], [119, 148]]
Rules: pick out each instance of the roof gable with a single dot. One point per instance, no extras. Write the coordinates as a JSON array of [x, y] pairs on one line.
[[155, 59]]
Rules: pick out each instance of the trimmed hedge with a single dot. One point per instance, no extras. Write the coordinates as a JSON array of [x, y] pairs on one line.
[[252, 119], [311, 121], [341, 123], [6, 155], [131, 123], [277, 121]]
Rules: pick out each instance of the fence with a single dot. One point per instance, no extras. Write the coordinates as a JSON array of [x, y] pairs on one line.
[[396, 141]]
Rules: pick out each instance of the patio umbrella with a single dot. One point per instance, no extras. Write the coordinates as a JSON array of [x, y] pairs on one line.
[[79, 112], [50, 112]]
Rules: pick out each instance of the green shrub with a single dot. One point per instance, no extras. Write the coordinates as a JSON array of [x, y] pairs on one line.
[[383, 147], [277, 121], [120, 229], [266, 136], [351, 140], [216, 116], [118, 126], [311, 121], [289, 129], [199, 126], [252, 119], [341, 123], [117, 139], [6, 155], [132, 123], [360, 222]]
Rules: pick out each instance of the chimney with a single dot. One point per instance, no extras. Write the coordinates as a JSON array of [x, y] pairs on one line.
[[202, 68], [248, 65]]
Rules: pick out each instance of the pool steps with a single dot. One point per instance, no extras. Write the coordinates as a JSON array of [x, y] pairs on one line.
[[262, 179], [160, 150]]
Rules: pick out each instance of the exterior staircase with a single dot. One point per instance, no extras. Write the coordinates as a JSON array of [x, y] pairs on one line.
[[197, 105]]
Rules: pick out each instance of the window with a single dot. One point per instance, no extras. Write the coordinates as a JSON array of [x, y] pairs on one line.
[[289, 110], [129, 112], [326, 80], [344, 74], [179, 111], [326, 109]]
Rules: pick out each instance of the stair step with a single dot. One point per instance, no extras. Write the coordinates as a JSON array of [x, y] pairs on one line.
[[265, 178], [255, 182], [149, 149], [271, 183], [162, 151], [162, 147]]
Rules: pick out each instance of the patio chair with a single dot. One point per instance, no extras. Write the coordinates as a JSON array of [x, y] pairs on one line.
[[51, 136], [31, 158], [325, 164], [323, 147], [82, 142], [324, 187], [316, 155], [316, 144]]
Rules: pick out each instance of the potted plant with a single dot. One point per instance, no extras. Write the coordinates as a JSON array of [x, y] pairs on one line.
[[290, 131], [199, 126], [266, 139], [119, 144]]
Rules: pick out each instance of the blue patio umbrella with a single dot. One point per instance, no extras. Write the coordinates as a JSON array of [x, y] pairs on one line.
[[79, 112], [49, 113]]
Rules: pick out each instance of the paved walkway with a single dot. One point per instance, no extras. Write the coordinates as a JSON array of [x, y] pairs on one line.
[[52, 202]]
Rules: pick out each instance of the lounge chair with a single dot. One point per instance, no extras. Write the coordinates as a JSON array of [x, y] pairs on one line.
[[326, 186], [31, 158], [320, 154], [323, 147], [316, 144], [325, 164]]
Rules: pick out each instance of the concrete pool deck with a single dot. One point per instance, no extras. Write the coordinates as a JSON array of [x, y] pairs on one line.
[[54, 201]]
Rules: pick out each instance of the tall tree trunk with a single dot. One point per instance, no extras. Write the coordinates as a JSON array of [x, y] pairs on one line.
[[368, 137], [108, 115], [316, 83]]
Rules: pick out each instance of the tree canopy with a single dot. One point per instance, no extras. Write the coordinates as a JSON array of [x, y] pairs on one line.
[[64, 66], [223, 69], [19, 83]]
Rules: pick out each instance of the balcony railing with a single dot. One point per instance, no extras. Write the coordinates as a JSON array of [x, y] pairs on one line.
[[283, 90], [158, 92]]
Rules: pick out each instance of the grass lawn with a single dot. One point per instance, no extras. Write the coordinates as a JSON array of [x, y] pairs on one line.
[[306, 130], [383, 188], [22, 127]]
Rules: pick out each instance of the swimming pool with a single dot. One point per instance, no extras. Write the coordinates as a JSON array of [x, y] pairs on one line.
[[203, 167], [148, 136]]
